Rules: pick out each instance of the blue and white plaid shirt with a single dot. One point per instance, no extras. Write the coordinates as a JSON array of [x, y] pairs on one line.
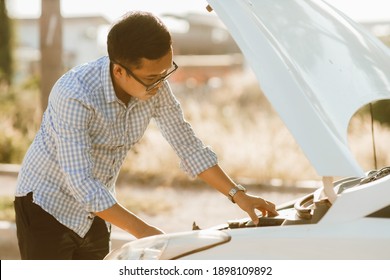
[[86, 132]]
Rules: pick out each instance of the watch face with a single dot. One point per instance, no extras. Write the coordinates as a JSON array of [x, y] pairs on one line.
[[232, 192]]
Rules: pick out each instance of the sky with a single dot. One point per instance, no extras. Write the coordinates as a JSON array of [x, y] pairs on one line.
[[358, 10]]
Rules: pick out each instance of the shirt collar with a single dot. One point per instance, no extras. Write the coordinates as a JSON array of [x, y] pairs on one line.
[[108, 87]]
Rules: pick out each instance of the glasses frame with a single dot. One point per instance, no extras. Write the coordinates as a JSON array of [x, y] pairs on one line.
[[154, 84]]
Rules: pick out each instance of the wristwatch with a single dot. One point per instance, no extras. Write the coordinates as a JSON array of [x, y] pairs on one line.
[[234, 190]]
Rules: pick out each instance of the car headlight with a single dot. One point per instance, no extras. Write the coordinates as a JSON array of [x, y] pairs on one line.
[[169, 246]]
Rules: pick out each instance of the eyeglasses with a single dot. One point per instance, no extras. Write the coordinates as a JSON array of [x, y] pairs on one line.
[[154, 84]]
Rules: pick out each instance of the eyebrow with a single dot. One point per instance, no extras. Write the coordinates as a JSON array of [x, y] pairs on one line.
[[156, 75]]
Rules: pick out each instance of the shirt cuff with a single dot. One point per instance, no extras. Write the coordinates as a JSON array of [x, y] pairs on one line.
[[102, 200], [94, 196], [198, 162]]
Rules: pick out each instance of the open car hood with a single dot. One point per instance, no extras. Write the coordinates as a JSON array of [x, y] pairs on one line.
[[317, 68]]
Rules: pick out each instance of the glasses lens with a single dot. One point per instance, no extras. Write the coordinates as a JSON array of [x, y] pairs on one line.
[[169, 73]]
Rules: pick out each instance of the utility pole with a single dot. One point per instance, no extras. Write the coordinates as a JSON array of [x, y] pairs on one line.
[[51, 47]]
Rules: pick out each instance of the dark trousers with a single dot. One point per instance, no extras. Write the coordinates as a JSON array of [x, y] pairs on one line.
[[42, 237]]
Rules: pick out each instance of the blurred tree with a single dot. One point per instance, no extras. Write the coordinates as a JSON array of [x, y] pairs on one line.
[[5, 45], [381, 111], [51, 47]]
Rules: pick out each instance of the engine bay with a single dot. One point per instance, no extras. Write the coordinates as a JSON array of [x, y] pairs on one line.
[[308, 209]]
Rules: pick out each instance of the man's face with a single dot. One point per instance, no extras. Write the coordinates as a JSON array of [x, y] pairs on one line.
[[141, 82]]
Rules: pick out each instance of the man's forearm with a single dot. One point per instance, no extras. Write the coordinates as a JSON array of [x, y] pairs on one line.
[[128, 221], [218, 179]]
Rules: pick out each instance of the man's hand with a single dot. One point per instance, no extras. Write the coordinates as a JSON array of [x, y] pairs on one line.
[[217, 178], [250, 203], [149, 231]]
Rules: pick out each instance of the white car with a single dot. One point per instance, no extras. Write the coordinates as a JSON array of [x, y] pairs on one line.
[[317, 68]]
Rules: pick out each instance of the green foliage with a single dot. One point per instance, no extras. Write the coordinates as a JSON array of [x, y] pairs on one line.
[[19, 121], [5, 45], [380, 111], [7, 212]]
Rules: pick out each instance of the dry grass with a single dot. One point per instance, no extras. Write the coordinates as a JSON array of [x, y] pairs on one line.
[[249, 138], [361, 142], [235, 120], [240, 126]]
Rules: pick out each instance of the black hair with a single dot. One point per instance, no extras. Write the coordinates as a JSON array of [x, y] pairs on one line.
[[138, 35]]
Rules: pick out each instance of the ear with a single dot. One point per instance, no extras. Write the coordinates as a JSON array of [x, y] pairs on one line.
[[118, 71]]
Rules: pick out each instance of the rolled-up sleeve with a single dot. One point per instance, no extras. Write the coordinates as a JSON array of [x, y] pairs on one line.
[[194, 155], [70, 121], [198, 161]]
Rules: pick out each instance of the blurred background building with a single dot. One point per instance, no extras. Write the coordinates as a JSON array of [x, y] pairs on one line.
[[81, 43], [203, 47]]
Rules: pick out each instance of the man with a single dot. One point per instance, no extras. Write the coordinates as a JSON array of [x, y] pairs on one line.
[[96, 112]]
